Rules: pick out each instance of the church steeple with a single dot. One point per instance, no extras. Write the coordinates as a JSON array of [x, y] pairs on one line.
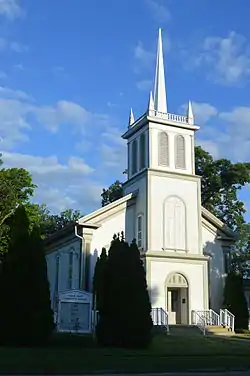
[[160, 97], [158, 139]]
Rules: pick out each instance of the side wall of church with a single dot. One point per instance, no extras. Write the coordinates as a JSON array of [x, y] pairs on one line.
[[139, 184], [174, 213], [217, 275], [121, 221], [63, 269]]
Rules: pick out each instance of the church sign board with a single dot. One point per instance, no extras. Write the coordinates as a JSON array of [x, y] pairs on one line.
[[74, 312]]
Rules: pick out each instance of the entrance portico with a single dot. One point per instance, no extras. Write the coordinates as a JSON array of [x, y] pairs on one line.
[[177, 299]]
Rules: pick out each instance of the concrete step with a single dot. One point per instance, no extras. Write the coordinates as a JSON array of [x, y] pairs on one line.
[[218, 330]]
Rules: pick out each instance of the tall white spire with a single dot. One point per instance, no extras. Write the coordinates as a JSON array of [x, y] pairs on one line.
[[131, 118], [160, 97]]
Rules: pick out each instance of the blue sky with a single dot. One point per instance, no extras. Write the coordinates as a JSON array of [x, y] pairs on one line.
[[71, 70]]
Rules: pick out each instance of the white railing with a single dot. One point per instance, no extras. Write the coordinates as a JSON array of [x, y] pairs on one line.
[[210, 317], [199, 319], [227, 319], [160, 318], [168, 116]]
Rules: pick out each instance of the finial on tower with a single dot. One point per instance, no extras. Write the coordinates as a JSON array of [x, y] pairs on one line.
[[190, 114], [160, 97], [151, 106], [131, 118]]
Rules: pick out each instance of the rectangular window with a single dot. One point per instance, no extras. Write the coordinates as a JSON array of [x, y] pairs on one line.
[[139, 231], [70, 270]]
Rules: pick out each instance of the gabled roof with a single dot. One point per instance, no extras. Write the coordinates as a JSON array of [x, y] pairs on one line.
[[206, 214], [91, 220], [108, 209]]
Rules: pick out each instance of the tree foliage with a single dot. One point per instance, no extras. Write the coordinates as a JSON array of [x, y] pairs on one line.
[[26, 317], [113, 193], [220, 183], [17, 188], [122, 297], [235, 300]]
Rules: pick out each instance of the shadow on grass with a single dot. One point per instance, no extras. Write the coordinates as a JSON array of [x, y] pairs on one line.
[[71, 353]]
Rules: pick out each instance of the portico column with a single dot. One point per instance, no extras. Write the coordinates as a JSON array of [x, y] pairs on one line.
[[169, 300], [86, 259]]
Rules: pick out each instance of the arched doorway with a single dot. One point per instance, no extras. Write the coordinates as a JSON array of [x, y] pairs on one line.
[[177, 299]]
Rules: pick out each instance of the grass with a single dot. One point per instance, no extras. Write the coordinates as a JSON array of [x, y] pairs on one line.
[[79, 354]]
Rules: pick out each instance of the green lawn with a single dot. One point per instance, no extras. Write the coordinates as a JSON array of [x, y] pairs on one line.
[[167, 353]]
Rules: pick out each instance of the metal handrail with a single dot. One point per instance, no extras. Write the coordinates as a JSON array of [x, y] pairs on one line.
[[199, 319], [227, 319], [160, 317]]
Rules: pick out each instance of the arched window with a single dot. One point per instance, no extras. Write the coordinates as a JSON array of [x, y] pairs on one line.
[[70, 270], [142, 152], [163, 149], [174, 222], [134, 157], [180, 160]]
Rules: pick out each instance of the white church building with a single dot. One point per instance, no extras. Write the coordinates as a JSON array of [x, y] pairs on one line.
[[185, 248]]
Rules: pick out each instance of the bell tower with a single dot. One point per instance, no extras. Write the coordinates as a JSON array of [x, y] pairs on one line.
[[161, 167]]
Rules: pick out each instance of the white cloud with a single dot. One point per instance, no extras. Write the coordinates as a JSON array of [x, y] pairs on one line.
[[159, 11], [238, 131], [223, 134], [18, 109], [113, 135], [239, 116], [226, 59], [113, 157], [8, 93], [203, 112], [144, 85], [210, 146], [11, 9], [5, 44], [3, 75], [64, 112], [143, 56], [18, 47], [60, 186]]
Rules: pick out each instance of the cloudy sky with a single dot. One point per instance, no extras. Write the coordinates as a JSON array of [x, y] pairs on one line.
[[71, 69]]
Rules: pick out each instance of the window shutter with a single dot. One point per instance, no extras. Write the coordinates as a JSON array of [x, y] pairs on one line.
[[142, 152], [163, 149], [134, 157], [180, 161]]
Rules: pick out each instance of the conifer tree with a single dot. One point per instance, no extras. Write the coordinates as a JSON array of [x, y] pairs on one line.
[[125, 314], [235, 301], [26, 317]]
